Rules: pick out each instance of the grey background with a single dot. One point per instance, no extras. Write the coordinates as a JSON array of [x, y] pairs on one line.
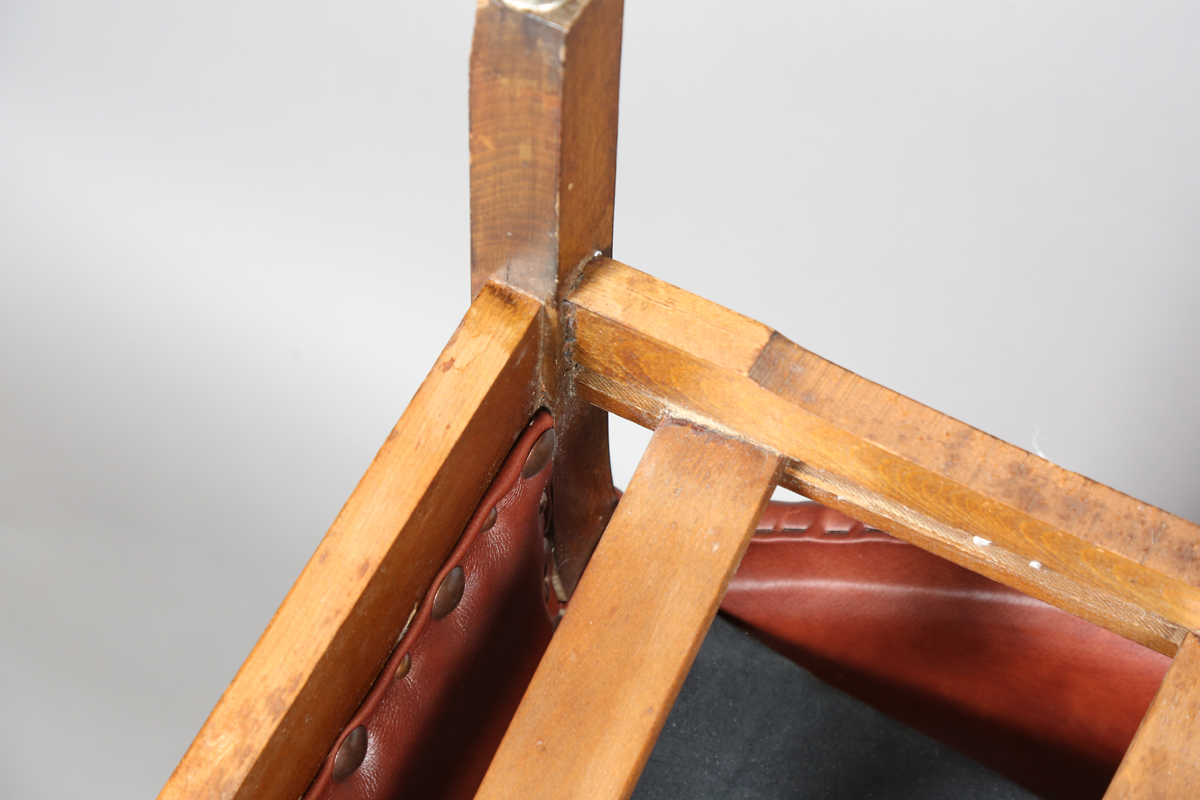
[[234, 236]]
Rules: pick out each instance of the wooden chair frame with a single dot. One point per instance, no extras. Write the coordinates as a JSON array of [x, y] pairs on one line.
[[736, 408]]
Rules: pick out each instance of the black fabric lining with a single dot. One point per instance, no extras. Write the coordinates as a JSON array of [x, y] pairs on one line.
[[751, 725]]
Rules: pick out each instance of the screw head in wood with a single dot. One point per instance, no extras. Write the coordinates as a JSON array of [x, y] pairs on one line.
[[449, 593], [350, 754], [540, 455]]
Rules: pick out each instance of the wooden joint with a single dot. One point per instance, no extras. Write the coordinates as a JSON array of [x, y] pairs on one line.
[[645, 348]]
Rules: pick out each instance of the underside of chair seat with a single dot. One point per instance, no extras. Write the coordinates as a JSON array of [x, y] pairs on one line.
[[1044, 699], [1033, 692], [749, 724]]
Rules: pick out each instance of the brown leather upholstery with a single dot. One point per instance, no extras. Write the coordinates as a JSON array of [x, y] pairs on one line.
[[433, 731], [1041, 696]]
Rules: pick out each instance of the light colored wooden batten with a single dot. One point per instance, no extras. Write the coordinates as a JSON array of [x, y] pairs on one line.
[[607, 682]]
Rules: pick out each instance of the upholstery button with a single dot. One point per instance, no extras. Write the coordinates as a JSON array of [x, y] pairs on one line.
[[449, 593], [540, 455], [351, 754], [404, 667], [490, 520]]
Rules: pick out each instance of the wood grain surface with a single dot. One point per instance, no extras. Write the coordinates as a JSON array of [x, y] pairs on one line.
[[310, 669], [647, 348], [544, 91], [544, 94], [607, 682], [1163, 763]]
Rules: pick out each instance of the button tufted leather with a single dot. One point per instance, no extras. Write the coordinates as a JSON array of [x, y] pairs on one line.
[[1038, 695], [1035, 693], [436, 714]]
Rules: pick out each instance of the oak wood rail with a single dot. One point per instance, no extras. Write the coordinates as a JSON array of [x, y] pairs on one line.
[[604, 688], [269, 732], [1164, 759], [647, 349]]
